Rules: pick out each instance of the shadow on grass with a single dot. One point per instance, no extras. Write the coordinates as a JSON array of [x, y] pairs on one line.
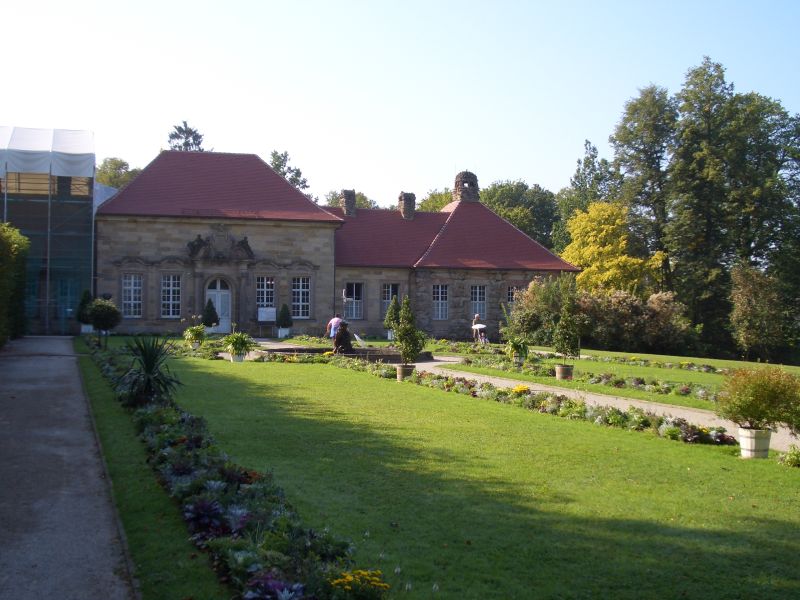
[[412, 506]]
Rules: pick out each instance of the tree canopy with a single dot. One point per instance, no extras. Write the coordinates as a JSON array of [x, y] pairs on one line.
[[279, 161], [115, 172], [334, 198], [185, 138]]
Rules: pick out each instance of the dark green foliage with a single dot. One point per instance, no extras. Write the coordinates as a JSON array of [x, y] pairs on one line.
[[279, 161], [82, 314], [148, 380], [210, 317], [115, 172], [392, 314], [537, 310], [566, 340], [284, 319], [104, 315], [408, 338], [13, 254], [185, 138]]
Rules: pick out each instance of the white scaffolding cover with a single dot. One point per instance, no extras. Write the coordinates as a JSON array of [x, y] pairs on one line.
[[60, 152]]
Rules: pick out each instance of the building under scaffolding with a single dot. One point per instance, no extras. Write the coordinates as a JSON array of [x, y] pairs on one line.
[[47, 177]]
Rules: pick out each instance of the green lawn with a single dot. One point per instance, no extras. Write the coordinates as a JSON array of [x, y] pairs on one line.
[[167, 565], [490, 501]]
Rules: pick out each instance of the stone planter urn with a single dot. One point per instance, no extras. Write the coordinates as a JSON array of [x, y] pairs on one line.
[[237, 357], [754, 443], [404, 371], [564, 371], [195, 345]]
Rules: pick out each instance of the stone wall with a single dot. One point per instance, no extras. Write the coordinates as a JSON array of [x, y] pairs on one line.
[[372, 280], [460, 311], [203, 250]]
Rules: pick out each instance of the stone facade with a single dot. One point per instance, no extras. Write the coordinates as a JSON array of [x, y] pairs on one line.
[[368, 318], [200, 252]]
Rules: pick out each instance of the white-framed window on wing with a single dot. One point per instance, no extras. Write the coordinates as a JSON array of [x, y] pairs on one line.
[[477, 297], [132, 295], [388, 291], [353, 301], [301, 297], [440, 312], [265, 292], [170, 296], [511, 295]]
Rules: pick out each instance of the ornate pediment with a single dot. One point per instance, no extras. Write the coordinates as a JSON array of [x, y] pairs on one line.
[[219, 244]]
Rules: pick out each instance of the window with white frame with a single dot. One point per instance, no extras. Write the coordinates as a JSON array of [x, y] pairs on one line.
[[265, 292], [170, 296], [301, 297], [512, 295], [477, 296], [388, 291], [131, 295], [354, 301], [440, 302]]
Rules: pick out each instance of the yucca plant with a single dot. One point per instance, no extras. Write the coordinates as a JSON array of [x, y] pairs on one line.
[[148, 380]]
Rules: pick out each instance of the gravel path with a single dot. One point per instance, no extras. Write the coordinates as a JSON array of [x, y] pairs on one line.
[[58, 527], [779, 441]]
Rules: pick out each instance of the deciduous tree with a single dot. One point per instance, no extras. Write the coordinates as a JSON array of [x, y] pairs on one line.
[[185, 138], [115, 172]]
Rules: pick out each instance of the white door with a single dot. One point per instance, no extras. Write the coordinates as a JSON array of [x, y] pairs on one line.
[[220, 294]]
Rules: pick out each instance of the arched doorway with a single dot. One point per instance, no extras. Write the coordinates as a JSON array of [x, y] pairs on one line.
[[219, 293]]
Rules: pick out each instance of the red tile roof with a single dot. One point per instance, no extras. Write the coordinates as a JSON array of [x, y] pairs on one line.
[[383, 238], [465, 235], [213, 184]]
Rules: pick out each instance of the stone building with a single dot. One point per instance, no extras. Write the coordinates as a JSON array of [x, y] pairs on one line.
[[194, 226]]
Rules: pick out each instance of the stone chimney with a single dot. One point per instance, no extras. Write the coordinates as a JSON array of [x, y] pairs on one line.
[[466, 187], [348, 202], [407, 204]]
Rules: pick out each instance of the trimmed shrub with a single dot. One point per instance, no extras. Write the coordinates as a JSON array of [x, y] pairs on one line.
[[13, 254], [761, 398], [104, 315], [210, 316]]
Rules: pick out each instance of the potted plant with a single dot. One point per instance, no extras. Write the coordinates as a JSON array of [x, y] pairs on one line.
[[391, 318], [195, 335], [758, 400], [410, 340], [284, 321], [83, 312], [238, 344], [567, 343], [517, 350]]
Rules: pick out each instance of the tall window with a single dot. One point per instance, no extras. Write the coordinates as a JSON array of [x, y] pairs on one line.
[[265, 292], [131, 295], [477, 296], [439, 302], [170, 296], [512, 295], [388, 291], [354, 301], [301, 297]]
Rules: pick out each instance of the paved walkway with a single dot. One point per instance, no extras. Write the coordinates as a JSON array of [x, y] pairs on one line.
[[779, 441], [58, 528]]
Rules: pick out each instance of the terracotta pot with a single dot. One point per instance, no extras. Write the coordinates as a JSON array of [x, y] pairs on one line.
[[564, 371], [754, 443], [404, 371]]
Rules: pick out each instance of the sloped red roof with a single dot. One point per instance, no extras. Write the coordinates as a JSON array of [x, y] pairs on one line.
[[474, 237], [464, 235], [213, 184], [383, 238]]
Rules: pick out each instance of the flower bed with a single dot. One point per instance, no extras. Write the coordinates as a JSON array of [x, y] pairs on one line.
[[655, 386], [255, 539]]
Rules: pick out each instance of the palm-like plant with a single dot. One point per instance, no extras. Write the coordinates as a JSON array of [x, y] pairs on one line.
[[148, 380]]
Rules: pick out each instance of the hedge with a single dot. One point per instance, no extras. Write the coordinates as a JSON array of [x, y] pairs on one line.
[[13, 253]]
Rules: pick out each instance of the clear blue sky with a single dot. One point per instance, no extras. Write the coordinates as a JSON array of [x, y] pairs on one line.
[[379, 96]]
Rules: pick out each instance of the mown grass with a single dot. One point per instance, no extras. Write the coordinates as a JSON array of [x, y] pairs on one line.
[[483, 500], [167, 565]]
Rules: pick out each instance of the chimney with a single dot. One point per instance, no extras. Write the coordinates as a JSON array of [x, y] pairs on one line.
[[466, 187], [348, 202], [407, 203]]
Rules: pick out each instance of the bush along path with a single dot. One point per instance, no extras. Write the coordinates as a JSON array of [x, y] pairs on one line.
[[255, 540]]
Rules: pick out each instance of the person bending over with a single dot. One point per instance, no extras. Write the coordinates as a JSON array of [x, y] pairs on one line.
[[341, 342]]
